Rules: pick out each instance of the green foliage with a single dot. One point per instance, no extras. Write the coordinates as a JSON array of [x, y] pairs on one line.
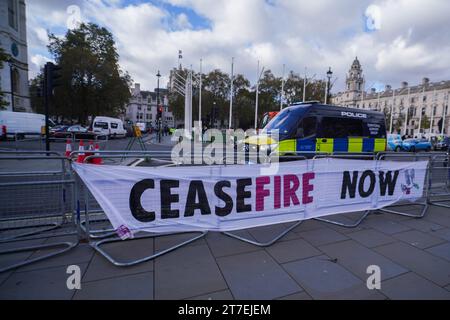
[[216, 89], [92, 82], [425, 123]]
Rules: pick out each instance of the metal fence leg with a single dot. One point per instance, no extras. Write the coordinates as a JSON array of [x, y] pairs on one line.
[[411, 215], [264, 244], [346, 225], [49, 226], [96, 246], [97, 234], [67, 245]]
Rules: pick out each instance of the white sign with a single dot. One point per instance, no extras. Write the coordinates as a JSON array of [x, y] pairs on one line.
[[225, 198]]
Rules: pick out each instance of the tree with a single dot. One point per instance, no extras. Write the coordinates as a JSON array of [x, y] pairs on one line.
[[4, 57], [425, 123], [92, 82]]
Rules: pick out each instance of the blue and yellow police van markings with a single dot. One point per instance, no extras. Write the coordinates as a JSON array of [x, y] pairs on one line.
[[330, 145]]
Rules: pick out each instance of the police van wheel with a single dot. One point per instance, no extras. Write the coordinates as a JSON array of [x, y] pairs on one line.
[[413, 149]]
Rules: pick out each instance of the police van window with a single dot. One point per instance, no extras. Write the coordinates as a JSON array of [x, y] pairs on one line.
[[103, 125], [341, 127], [114, 125], [284, 122], [307, 127]]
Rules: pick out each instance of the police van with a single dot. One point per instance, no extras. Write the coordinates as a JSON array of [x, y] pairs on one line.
[[314, 127]]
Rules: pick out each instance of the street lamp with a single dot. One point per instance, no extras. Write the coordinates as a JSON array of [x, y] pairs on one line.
[[327, 90], [157, 108], [213, 116]]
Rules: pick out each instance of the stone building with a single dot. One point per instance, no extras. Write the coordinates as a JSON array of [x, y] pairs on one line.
[[420, 109], [13, 39], [142, 107]]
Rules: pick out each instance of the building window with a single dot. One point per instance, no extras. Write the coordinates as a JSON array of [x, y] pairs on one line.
[[12, 13], [424, 98], [139, 108]]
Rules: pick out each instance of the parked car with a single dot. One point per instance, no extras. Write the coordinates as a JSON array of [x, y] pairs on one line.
[[112, 127], [414, 145], [443, 145], [394, 142], [76, 131], [58, 128]]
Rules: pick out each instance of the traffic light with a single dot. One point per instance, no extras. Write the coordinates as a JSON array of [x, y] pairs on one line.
[[160, 111], [52, 77]]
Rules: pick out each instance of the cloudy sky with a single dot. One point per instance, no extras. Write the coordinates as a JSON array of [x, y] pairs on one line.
[[395, 40]]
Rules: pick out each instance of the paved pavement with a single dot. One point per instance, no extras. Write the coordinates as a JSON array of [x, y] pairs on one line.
[[314, 261]]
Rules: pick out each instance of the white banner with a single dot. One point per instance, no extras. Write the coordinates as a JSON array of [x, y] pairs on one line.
[[225, 198]]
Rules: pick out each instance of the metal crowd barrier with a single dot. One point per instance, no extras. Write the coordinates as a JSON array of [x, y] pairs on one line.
[[35, 202], [108, 234], [354, 156], [294, 155], [440, 185], [432, 157]]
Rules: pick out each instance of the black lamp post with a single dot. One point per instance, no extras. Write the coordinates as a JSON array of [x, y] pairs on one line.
[[157, 109], [329, 74]]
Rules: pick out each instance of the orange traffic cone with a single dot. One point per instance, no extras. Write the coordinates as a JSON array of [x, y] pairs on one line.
[[68, 148], [97, 160], [81, 154]]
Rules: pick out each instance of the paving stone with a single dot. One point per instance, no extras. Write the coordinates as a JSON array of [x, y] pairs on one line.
[[410, 286], [323, 236], [256, 275], [100, 268], [442, 233], [323, 279], [267, 233], [132, 287], [79, 254], [422, 225], [297, 249], [187, 272], [9, 259], [439, 215], [308, 225], [347, 218], [357, 258], [387, 226], [442, 250], [4, 275], [345, 230], [40, 284], [371, 238], [219, 295], [297, 296], [421, 262], [447, 288], [418, 239], [222, 245], [164, 242]]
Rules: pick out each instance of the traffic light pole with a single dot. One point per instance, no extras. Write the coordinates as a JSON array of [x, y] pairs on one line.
[[46, 107]]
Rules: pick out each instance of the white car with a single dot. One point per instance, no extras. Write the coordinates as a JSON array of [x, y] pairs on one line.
[[111, 127]]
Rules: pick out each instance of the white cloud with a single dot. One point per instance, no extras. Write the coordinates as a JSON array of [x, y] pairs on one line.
[[411, 42], [182, 22]]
